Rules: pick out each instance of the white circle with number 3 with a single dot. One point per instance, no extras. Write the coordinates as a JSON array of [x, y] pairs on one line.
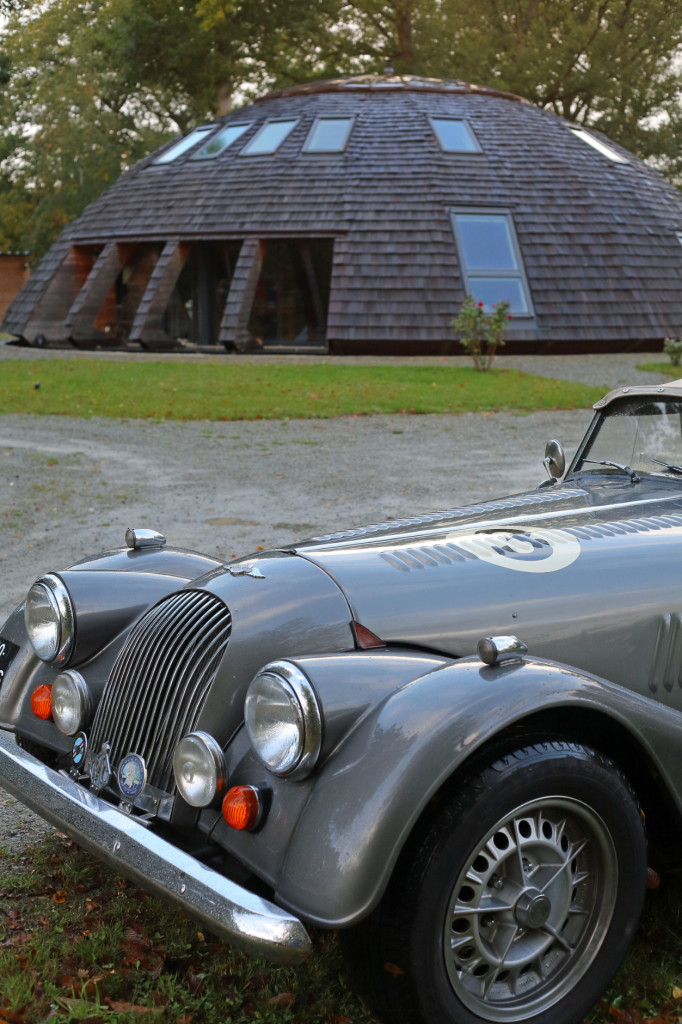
[[524, 551]]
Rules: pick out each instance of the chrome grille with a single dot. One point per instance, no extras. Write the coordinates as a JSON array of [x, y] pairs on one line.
[[160, 680]]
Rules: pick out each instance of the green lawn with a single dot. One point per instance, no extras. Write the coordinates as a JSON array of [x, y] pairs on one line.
[[673, 372], [214, 391], [78, 943]]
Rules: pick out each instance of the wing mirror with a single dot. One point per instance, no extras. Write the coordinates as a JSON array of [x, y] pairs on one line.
[[554, 460]]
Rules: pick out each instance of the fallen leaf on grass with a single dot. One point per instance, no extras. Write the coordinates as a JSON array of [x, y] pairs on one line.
[[283, 999], [122, 1007], [12, 1018]]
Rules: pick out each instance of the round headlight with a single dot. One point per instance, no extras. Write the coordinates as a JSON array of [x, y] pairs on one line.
[[199, 769], [71, 702], [283, 720], [50, 620]]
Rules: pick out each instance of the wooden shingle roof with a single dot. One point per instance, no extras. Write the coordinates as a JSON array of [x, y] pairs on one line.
[[598, 239]]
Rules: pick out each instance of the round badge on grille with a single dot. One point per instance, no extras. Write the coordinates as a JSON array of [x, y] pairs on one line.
[[132, 775], [79, 749]]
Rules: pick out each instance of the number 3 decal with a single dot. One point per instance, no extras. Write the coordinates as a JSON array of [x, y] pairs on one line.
[[532, 551]]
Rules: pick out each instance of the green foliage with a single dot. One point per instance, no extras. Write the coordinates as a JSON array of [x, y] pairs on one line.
[[481, 333], [72, 118], [219, 391], [87, 87], [672, 347], [663, 368], [108, 951], [101, 949]]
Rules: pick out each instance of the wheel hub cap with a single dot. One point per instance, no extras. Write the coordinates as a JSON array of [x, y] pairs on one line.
[[532, 909]]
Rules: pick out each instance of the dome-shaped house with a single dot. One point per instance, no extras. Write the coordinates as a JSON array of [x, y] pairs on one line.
[[355, 215]]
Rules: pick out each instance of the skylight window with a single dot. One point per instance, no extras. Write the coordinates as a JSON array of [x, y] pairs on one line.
[[269, 138], [184, 144], [454, 135], [491, 262], [328, 135], [220, 141], [600, 146]]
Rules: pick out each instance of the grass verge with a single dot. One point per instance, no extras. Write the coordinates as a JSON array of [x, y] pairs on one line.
[[211, 391], [78, 943], [673, 372]]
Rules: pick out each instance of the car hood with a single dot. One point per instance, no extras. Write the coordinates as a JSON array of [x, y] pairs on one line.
[[572, 570]]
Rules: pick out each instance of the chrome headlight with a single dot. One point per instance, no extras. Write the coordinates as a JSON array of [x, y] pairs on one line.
[[71, 702], [50, 620], [283, 720], [199, 769]]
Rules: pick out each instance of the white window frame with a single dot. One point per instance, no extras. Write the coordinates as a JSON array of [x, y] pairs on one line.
[[185, 144], [307, 148], [601, 147], [248, 151], [467, 128], [200, 155], [517, 274]]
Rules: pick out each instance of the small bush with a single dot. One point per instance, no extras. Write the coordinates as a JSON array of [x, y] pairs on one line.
[[481, 333], [672, 347]]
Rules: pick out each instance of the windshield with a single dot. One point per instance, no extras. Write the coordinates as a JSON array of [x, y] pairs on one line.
[[640, 434]]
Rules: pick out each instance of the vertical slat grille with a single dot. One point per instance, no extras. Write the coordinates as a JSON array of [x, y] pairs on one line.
[[160, 679]]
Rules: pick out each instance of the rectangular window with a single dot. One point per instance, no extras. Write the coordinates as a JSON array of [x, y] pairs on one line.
[[220, 141], [492, 268], [291, 298], [269, 138], [184, 144], [600, 146], [328, 135], [454, 136]]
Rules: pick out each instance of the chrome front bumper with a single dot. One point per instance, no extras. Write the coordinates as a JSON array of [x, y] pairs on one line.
[[227, 909]]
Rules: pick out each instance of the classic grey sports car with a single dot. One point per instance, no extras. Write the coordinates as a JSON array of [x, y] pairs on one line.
[[440, 735]]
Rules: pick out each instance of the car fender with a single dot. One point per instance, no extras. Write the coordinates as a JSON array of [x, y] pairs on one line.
[[109, 593], [371, 791]]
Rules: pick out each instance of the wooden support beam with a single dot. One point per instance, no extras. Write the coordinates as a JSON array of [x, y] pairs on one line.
[[147, 327], [234, 331]]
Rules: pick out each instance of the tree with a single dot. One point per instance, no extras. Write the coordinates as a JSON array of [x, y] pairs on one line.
[[70, 120], [97, 84], [606, 63], [93, 85]]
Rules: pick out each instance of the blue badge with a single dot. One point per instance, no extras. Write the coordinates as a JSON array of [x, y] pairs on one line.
[[79, 749], [132, 775]]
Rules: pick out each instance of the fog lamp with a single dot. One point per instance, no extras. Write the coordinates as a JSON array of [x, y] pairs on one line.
[[199, 769], [71, 702]]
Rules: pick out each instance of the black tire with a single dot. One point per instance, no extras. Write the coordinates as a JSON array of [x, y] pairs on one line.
[[517, 902]]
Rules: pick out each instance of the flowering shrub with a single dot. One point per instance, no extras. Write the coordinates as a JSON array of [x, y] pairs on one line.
[[673, 349], [481, 333]]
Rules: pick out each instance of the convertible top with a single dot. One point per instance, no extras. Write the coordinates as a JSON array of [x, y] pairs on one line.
[[672, 388]]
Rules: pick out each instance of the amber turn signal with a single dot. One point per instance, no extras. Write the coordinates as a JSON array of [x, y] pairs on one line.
[[242, 807], [41, 701]]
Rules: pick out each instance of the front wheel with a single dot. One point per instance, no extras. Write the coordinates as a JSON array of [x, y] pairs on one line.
[[519, 901]]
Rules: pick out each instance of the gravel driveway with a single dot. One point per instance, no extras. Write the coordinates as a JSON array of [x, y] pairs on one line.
[[70, 487]]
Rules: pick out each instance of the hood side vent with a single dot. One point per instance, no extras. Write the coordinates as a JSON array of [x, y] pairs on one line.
[[503, 505]]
